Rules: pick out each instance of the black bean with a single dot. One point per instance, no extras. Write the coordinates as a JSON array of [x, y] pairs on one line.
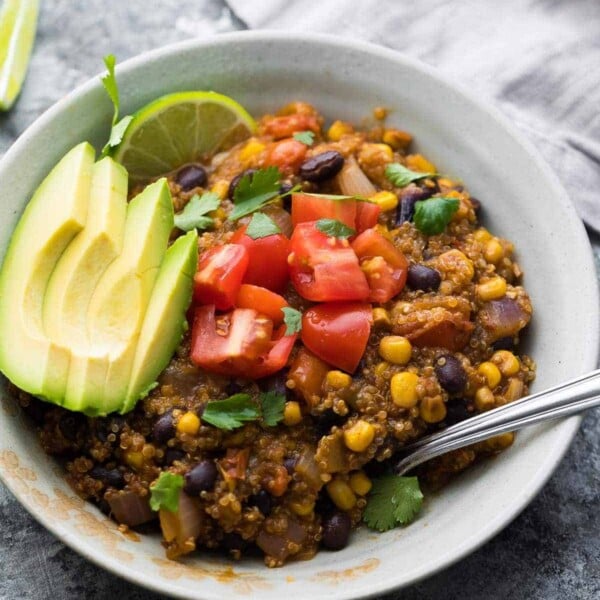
[[423, 278], [109, 477], [263, 501], [505, 343], [284, 188], [164, 428], [233, 388], [456, 411], [171, 455], [336, 531], [408, 198], [290, 464], [325, 421], [322, 166], [450, 373], [200, 478], [70, 424], [235, 181], [191, 176], [275, 383]]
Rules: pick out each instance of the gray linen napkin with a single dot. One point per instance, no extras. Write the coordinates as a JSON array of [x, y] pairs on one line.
[[538, 60]]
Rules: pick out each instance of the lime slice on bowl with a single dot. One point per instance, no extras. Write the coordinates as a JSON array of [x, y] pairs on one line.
[[18, 21], [181, 128]]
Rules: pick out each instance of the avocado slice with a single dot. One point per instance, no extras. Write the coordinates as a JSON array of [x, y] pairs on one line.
[[56, 213], [87, 257], [165, 320], [99, 375]]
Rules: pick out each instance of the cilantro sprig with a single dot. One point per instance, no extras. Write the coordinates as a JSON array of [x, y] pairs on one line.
[[261, 226], [432, 215], [392, 501], [109, 81], [306, 137], [193, 216], [238, 409], [164, 492], [254, 190], [334, 228], [400, 175], [292, 319]]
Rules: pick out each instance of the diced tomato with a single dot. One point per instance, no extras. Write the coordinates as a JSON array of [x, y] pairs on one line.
[[338, 332], [267, 259], [383, 264], [308, 207], [261, 299], [286, 126], [367, 214], [286, 154], [233, 465], [325, 268], [308, 372], [239, 343], [219, 276]]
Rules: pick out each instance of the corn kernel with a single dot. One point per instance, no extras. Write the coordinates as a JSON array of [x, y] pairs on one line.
[[341, 494], [385, 200], [386, 150], [219, 213], [380, 112], [395, 349], [302, 509], [403, 388], [506, 361], [493, 251], [432, 410], [338, 379], [381, 318], [358, 437], [397, 139], [492, 289], [491, 373], [252, 148], [360, 483], [417, 162], [339, 129], [500, 442], [220, 188], [484, 399], [381, 368], [189, 423], [482, 235], [135, 460], [292, 415]]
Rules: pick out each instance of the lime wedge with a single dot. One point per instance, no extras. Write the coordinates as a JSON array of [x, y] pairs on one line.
[[18, 21], [181, 128]]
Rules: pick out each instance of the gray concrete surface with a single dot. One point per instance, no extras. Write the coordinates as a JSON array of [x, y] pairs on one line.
[[550, 552]]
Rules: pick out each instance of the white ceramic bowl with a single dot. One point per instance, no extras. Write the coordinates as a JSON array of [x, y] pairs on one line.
[[522, 201]]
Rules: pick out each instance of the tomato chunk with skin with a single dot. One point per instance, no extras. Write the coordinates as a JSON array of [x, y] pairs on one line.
[[286, 154], [267, 259], [384, 265], [240, 343], [338, 332], [219, 275], [262, 300], [308, 372], [308, 207], [286, 125], [324, 268], [367, 215]]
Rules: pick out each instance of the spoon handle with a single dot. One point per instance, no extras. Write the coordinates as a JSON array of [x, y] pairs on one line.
[[560, 401]]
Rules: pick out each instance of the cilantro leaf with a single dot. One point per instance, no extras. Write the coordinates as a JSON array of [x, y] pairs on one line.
[[334, 228], [432, 215], [193, 214], [292, 319], [254, 190], [164, 492], [109, 81], [306, 137], [272, 406], [400, 176], [392, 501], [231, 413], [261, 226]]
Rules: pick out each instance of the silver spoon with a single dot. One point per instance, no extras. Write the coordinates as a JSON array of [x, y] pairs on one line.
[[561, 401]]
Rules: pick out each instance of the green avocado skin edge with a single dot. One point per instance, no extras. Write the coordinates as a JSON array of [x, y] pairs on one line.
[[122, 334]]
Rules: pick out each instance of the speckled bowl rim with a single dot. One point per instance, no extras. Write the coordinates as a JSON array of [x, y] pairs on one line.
[[569, 427]]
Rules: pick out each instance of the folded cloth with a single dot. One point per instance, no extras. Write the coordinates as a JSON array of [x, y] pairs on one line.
[[538, 60]]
